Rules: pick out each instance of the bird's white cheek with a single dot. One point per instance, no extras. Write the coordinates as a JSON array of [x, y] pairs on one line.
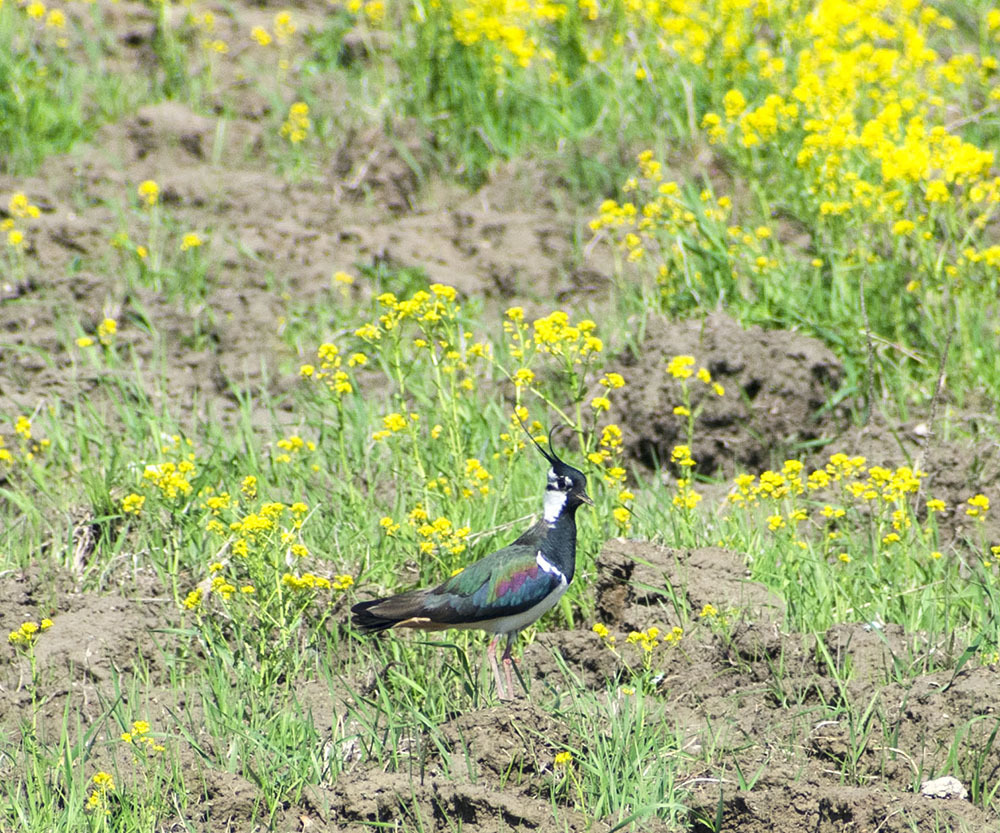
[[553, 505]]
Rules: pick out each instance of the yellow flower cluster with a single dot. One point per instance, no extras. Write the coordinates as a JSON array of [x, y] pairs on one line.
[[293, 446], [284, 26], [172, 479], [852, 473], [433, 314], [555, 334], [649, 638], [439, 535], [106, 332], [607, 455], [139, 737], [260, 537], [425, 307], [28, 632], [307, 581], [373, 10], [331, 369], [602, 631], [394, 423], [685, 497], [682, 368], [660, 211], [863, 105], [978, 506], [477, 479], [19, 208], [149, 192], [205, 23], [509, 31], [255, 525], [132, 504], [30, 446], [576, 346], [103, 784], [297, 125]]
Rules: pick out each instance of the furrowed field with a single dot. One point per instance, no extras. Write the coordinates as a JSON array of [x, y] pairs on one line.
[[276, 284]]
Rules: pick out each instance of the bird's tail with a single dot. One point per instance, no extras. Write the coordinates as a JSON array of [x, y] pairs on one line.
[[368, 622]]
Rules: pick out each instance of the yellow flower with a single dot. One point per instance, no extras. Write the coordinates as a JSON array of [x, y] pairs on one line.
[[622, 516], [149, 191], [708, 610], [284, 28], [84, 341], [978, 506], [132, 504], [600, 403], [259, 34], [524, 376], [249, 486], [681, 455], [23, 427], [734, 104], [107, 330], [600, 629], [190, 241], [443, 291], [680, 367], [342, 582], [20, 206], [394, 422], [15, 237], [563, 759], [343, 278], [26, 634], [298, 124]]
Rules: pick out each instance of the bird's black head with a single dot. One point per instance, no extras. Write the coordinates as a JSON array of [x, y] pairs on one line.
[[566, 485]]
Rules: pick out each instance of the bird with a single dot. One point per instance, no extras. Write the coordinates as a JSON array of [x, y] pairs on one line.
[[505, 591]]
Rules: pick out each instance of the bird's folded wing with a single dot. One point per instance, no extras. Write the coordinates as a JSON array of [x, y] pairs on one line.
[[505, 583]]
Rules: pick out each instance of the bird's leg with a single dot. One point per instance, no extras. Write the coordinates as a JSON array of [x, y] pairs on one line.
[[507, 662], [491, 653]]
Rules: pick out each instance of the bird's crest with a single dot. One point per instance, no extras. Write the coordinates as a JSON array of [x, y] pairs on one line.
[[560, 469]]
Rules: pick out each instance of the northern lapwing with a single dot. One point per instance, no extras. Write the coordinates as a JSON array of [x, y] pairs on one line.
[[505, 591]]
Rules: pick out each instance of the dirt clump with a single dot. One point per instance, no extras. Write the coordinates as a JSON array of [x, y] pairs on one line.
[[777, 386]]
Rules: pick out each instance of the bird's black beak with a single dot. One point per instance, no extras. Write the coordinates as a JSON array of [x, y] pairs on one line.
[[585, 498]]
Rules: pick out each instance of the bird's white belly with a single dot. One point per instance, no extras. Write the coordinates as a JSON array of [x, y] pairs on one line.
[[514, 623]]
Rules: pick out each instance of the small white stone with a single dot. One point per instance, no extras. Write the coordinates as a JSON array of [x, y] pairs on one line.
[[944, 787]]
